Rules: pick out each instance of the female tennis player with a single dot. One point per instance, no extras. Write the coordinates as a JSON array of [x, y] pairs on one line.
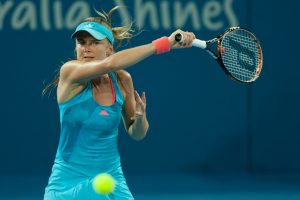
[[93, 93]]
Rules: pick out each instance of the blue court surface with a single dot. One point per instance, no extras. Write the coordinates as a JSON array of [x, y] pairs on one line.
[[212, 186]]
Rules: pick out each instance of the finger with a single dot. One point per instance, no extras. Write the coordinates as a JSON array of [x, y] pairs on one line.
[[186, 39], [137, 96], [144, 97], [193, 36], [189, 39], [172, 38]]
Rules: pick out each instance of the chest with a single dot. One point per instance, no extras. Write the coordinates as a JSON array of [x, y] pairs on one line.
[[104, 94], [90, 115]]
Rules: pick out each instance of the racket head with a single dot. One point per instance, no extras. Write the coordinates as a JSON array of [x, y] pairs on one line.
[[240, 54]]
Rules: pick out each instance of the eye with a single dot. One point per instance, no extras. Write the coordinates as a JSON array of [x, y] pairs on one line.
[[96, 42], [81, 42]]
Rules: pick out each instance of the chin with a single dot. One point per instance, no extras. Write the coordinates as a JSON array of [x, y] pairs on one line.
[[88, 59]]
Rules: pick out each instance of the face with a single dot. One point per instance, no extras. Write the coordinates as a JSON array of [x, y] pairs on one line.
[[88, 48]]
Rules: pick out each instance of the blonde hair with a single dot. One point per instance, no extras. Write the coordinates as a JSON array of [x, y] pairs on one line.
[[120, 33]]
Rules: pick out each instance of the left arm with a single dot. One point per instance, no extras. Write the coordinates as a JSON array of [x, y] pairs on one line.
[[134, 109]]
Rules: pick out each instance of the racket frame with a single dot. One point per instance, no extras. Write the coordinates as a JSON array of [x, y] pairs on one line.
[[218, 56]]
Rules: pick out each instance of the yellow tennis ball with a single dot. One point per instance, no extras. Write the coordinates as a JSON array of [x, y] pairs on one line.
[[104, 184]]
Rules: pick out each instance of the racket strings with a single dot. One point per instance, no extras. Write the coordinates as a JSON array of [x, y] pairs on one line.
[[240, 54]]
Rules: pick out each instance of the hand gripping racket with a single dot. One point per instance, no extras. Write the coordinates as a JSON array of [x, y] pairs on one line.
[[238, 52]]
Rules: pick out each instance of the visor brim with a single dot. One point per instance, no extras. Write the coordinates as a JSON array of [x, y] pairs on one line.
[[95, 34]]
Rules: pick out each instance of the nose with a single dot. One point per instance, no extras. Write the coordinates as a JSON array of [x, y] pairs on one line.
[[86, 47]]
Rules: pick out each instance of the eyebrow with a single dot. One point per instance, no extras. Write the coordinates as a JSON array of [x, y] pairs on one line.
[[83, 39]]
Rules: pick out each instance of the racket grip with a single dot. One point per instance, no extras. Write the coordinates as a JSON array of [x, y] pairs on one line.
[[199, 43], [196, 42]]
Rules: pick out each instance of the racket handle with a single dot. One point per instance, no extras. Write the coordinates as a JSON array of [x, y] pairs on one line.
[[199, 43], [196, 42]]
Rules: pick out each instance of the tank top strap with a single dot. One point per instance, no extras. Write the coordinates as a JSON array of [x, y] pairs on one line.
[[119, 96]]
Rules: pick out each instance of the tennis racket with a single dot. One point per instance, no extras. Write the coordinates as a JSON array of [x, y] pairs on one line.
[[238, 52]]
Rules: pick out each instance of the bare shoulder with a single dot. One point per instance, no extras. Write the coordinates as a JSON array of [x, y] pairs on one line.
[[124, 75], [67, 89], [125, 80], [67, 68]]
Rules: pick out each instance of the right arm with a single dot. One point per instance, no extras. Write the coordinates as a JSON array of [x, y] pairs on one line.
[[80, 72]]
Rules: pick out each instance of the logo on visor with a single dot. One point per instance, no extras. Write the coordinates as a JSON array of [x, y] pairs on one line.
[[89, 26]]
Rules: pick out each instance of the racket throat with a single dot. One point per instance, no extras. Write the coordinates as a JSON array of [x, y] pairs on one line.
[[212, 53]]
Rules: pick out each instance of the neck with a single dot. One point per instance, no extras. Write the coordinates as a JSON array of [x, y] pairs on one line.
[[102, 79]]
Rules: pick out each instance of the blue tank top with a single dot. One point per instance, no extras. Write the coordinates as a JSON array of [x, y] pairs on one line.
[[87, 147]]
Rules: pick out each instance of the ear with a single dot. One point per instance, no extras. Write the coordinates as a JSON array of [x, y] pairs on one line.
[[109, 50]]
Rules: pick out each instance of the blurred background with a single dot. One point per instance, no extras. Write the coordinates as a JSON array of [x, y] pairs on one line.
[[209, 137]]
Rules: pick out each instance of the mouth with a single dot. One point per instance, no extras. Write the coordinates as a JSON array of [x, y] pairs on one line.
[[88, 57]]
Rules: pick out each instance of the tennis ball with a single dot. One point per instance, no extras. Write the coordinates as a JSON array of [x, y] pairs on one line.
[[104, 184]]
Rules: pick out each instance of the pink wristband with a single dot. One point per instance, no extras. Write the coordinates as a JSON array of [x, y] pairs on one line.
[[162, 45]]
